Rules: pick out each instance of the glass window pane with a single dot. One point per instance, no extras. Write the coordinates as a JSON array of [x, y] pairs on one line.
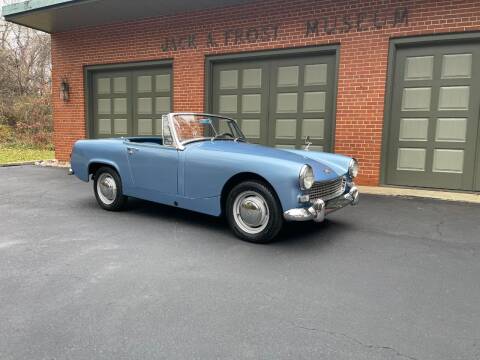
[[120, 85], [162, 83], [251, 128], [144, 83], [315, 74], [286, 129], [229, 79], [454, 98], [120, 126], [416, 99], [451, 130], [158, 127], [162, 104], [103, 86], [228, 104], [252, 78], [315, 148], [144, 106], [411, 159], [314, 101], [280, 146], [104, 126], [287, 102], [145, 127], [251, 103], [287, 76], [419, 68], [120, 106], [104, 106], [456, 66], [314, 128], [448, 160], [413, 129]]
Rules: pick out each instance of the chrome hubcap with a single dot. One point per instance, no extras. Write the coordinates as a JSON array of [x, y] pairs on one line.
[[251, 212], [107, 188]]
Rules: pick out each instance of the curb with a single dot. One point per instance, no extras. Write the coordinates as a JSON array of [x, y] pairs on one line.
[[473, 198], [20, 163]]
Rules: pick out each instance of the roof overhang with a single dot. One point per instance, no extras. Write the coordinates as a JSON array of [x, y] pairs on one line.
[[63, 15]]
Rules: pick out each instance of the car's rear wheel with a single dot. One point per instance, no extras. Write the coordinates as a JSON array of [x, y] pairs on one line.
[[253, 212], [107, 187]]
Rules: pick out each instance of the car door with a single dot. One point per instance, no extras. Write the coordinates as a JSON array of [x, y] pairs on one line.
[[153, 167]]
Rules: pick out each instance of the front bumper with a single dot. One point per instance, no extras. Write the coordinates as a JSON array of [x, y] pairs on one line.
[[320, 208]]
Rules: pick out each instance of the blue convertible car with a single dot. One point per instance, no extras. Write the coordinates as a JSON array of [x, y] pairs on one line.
[[203, 163]]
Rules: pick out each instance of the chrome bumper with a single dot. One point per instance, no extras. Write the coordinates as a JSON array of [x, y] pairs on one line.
[[70, 171], [320, 208]]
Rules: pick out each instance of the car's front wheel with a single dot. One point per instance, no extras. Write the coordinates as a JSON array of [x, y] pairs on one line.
[[107, 187], [253, 212]]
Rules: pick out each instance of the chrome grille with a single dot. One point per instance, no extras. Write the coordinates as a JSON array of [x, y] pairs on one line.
[[327, 190]]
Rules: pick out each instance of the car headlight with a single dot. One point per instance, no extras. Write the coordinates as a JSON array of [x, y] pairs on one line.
[[306, 177], [353, 168]]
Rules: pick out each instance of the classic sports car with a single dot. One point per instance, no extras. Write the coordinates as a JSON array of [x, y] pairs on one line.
[[203, 163]]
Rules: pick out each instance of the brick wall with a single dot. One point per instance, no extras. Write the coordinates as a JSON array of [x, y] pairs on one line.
[[363, 30]]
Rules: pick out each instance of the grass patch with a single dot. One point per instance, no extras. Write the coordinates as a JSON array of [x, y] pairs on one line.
[[17, 154]]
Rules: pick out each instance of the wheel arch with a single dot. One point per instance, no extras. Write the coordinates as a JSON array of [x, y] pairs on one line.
[[94, 165], [242, 177]]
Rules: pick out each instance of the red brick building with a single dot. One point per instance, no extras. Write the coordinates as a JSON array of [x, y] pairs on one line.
[[395, 84]]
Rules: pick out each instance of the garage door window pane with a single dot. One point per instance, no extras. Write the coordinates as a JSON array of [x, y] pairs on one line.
[[286, 129], [416, 99], [451, 130], [314, 128], [104, 106], [287, 103], [104, 126], [456, 66], [144, 126], [120, 126], [315, 148], [252, 78], [287, 76], [413, 129], [162, 105], [251, 103], [447, 160], [290, 147], [228, 104], [315, 74], [314, 101], [454, 98], [144, 106], [411, 159], [419, 68], [120, 106], [251, 128], [120, 85], [144, 84], [103, 86], [229, 79], [162, 83]]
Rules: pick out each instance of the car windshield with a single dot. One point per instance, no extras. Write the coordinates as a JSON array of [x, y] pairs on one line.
[[194, 127]]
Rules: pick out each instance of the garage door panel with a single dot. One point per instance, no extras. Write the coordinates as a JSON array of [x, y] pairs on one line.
[[434, 117], [278, 102], [127, 103]]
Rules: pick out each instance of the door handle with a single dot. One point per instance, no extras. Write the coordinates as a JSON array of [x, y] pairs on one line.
[[131, 150]]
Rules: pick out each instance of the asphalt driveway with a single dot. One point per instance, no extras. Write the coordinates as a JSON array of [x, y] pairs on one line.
[[390, 279]]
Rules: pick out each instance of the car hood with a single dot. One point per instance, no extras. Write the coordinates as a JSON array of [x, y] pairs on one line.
[[323, 170]]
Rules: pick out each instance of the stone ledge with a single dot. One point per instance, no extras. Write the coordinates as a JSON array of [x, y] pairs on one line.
[[421, 193]]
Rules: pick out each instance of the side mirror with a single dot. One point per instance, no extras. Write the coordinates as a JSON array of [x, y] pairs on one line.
[[307, 143]]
